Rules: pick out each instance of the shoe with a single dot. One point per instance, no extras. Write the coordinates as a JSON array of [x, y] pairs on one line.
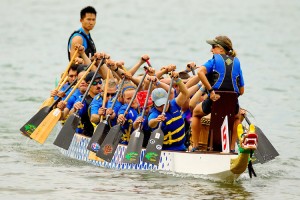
[[195, 149]]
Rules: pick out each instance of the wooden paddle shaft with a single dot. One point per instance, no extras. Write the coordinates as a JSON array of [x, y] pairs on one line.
[[92, 80], [80, 80], [67, 69], [116, 97], [137, 89], [165, 106], [105, 93], [62, 84]]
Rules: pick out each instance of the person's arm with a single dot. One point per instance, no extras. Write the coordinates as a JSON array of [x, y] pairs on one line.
[[192, 81], [202, 76], [197, 97], [165, 70], [137, 122], [242, 90], [104, 68], [82, 54], [76, 40], [141, 61], [95, 118], [153, 122], [183, 95]]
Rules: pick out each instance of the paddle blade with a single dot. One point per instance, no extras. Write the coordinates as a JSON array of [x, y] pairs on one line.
[[110, 143], [99, 134], [29, 127], [66, 134], [154, 147], [134, 148], [42, 132], [265, 150]]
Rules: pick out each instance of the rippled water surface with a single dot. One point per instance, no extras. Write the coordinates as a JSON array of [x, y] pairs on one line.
[[33, 53]]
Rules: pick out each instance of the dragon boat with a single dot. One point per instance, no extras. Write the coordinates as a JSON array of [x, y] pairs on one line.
[[222, 166], [217, 163]]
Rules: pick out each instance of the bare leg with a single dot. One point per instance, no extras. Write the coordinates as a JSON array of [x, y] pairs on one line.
[[196, 124], [195, 130]]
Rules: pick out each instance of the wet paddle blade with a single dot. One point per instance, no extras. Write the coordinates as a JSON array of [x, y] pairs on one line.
[[29, 127], [265, 150], [110, 143], [42, 132], [134, 148], [154, 147], [66, 134], [100, 133]]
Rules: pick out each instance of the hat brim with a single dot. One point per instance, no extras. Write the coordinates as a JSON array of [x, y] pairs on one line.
[[211, 42], [160, 102]]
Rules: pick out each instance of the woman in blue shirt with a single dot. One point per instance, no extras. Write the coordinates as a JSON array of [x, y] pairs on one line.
[[223, 73]]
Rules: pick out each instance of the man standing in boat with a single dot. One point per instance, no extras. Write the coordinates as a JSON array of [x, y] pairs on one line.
[[82, 36]]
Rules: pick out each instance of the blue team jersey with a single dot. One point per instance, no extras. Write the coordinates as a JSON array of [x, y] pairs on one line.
[[173, 126], [127, 126], [75, 96], [97, 103]]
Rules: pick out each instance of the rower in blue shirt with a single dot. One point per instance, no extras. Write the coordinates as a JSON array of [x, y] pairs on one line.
[[96, 109], [172, 122]]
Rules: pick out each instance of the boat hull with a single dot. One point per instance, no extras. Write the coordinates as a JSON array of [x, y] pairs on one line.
[[215, 165]]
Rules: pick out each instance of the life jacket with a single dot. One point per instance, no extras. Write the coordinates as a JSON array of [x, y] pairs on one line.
[[91, 48], [225, 75]]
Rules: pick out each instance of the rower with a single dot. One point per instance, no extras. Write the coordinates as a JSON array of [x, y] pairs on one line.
[[172, 122]]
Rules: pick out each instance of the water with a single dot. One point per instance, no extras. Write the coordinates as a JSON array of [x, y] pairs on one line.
[[33, 53]]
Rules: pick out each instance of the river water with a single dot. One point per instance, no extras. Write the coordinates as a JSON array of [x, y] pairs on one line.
[[33, 42]]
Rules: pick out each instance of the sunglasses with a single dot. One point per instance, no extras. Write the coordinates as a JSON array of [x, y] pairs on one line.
[[96, 82], [110, 94]]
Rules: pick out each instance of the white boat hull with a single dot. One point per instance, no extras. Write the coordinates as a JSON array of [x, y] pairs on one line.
[[215, 165]]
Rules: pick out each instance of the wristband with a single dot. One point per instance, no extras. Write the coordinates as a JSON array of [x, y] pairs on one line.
[[209, 91], [202, 89], [199, 85], [187, 71], [178, 81], [116, 69], [157, 83]]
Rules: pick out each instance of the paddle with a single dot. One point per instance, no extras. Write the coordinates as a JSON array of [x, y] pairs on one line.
[[111, 141], [29, 127], [134, 148], [50, 100], [66, 134], [102, 128], [42, 132], [265, 150], [155, 143]]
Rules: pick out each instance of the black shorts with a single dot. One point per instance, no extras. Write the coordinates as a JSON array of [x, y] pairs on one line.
[[207, 103]]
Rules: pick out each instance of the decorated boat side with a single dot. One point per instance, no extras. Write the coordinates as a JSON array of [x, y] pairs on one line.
[[223, 166]]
